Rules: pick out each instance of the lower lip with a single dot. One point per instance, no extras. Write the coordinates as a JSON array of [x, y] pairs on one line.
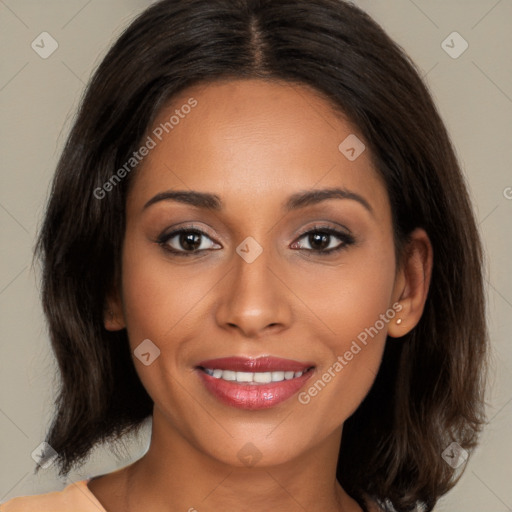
[[253, 396]]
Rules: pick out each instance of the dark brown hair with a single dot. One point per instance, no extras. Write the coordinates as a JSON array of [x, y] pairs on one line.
[[429, 390]]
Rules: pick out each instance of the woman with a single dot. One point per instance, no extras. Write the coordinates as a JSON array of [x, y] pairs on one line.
[[259, 236]]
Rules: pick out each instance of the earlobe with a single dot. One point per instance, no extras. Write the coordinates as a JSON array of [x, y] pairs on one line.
[[399, 326], [113, 316], [412, 283], [112, 320]]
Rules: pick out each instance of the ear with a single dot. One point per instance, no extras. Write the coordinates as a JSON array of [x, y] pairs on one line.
[[412, 283], [113, 315]]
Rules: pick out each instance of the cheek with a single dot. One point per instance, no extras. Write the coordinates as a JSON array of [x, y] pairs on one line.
[[155, 300], [158, 305], [355, 309], [351, 296]]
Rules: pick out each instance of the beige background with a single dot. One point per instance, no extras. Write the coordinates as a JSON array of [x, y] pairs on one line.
[[38, 99]]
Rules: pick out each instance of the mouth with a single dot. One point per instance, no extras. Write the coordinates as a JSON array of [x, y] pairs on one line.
[[252, 384]]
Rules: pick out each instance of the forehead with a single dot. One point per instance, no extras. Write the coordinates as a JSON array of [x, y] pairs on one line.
[[252, 139]]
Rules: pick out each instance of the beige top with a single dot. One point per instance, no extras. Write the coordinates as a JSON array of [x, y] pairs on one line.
[[76, 497]]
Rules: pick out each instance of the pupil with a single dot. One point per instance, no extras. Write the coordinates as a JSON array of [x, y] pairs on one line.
[[319, 238], [187, 240]]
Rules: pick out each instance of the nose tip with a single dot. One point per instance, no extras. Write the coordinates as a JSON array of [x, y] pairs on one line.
[[253, 300]]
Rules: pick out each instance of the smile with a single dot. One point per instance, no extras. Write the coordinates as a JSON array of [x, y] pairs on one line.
[[253, 384]]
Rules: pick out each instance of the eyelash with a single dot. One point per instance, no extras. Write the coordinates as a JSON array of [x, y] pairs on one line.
[[345, 238]]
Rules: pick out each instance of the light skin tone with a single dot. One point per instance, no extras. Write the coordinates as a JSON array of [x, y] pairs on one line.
[[254, 144]]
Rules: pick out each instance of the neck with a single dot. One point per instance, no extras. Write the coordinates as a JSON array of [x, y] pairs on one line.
[[177, 475]]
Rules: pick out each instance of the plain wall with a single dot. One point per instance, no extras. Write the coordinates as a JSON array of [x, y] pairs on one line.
[[38, 100]]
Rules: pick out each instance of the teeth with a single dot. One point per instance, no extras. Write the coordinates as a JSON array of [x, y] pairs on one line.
[[244, 376], [252, 377], [277, 376], [228, 375], [262, 377]]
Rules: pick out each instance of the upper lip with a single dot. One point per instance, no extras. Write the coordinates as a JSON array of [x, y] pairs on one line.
[[259, 364]]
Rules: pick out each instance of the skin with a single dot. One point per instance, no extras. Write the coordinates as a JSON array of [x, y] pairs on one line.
[[253, 144]]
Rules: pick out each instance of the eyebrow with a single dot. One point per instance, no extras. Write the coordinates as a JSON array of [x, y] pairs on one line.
[[294, 202]]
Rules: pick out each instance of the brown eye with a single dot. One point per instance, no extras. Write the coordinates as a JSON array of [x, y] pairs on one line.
[[186, 242], [322, 241], [189, 241]]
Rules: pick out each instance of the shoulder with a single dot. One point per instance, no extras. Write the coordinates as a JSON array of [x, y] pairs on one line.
[[76, 497]]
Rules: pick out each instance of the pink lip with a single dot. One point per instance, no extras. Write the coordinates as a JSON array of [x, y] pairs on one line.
[[253, 396]]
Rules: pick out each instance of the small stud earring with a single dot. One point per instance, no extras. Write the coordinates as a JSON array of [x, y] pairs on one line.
[[111, 313], [399, 321]]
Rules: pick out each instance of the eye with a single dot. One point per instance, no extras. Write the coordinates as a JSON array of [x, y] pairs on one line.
[[321, 240], [186, 241]]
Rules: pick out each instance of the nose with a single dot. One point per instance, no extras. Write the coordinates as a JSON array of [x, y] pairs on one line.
[[255, 299]]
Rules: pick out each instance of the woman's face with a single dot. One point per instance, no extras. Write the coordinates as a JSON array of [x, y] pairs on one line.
[[251, 285]]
